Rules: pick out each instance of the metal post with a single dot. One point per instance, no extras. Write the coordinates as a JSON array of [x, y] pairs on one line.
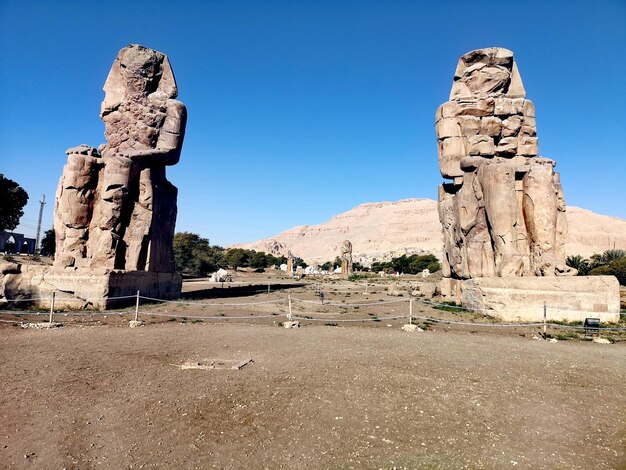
[[52, 307], [289, 314], [410, 310], [137, 307], [545, 316], [268, 286]]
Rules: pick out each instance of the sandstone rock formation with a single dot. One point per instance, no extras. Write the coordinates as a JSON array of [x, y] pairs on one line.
[[381, 230], [503, 214], [115, 208], [346, 257]]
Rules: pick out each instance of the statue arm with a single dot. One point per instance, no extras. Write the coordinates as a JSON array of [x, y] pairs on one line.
[[170, 140]]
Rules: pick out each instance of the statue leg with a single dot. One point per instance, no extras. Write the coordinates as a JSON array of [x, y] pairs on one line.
[[111, 214], [541, 213], [497, 181]]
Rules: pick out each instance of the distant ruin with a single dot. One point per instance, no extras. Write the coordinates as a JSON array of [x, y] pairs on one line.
[[346, 258]]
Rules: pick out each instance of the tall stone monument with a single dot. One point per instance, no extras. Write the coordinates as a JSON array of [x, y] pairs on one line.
[[346, 257], [115, 210], [503, 211]]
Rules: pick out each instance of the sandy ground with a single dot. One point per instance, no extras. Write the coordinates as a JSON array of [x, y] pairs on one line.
[[97, 394]]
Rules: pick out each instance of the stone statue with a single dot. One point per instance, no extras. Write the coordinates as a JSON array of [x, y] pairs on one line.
[[503, 214], [115, 209], [346, 257]]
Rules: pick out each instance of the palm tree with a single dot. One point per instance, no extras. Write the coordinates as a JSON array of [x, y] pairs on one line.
[[579, 263]]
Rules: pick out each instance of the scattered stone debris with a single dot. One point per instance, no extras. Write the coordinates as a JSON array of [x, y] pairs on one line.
[[135, 323], [601, 340], [209, 364], [44, 325], [411, 328], [553, 340], [291, 324]]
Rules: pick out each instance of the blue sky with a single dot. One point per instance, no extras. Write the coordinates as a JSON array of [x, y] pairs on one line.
[[300, 110]]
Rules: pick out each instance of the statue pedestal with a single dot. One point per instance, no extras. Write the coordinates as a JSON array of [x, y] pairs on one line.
[[97, 288], [522, 298]]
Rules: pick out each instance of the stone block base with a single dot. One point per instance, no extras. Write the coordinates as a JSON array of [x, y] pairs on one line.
[[522, 298], [89, 288]]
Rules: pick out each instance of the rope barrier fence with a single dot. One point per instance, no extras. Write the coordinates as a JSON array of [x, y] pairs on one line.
[[290, 315]]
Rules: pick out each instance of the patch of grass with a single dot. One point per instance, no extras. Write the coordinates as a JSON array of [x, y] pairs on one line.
[[330, 324], [197, 320], [356, 277], [449, 307]]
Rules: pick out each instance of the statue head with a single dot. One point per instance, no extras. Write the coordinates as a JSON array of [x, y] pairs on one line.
[[138, 70], [489, 71]]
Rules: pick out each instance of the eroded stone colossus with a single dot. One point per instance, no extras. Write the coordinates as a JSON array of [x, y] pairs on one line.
[[115, 209], [503, 213], [346, 257]]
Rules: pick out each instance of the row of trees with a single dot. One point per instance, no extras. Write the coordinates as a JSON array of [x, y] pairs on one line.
[[611, 262], [195, 256], [413, 264]]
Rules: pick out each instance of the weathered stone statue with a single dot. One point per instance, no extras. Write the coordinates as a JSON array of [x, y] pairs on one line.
[[115, 208], [115, 211], [503, 214], [346, 257]]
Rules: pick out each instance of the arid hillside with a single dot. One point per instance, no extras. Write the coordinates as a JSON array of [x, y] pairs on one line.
[[380, 230]]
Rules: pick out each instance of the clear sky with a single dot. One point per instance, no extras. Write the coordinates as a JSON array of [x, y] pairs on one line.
[[300, 110]]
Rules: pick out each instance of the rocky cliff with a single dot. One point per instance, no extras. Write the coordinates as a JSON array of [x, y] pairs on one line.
[[381, 230]]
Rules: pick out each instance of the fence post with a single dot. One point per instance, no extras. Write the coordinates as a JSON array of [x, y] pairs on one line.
[[410, 310], [289, 314], [545, 315], [52, 307], [366, 287], [137, 307]]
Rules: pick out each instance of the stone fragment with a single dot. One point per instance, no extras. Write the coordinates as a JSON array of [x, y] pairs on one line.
[[511, 126], [491, 126], [481, 145], [9, 268], [601, 340], [428, 290], [527, 146], [411, 328], [508, 106], [291, 324], [507, 147], [135, 323]]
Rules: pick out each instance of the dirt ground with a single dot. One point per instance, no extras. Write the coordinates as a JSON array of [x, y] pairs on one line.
[[97, 394]]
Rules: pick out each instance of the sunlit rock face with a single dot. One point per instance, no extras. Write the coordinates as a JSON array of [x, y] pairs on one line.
[[503, 212]]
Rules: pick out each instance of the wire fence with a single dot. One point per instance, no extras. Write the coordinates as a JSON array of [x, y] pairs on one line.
[[306, 313]]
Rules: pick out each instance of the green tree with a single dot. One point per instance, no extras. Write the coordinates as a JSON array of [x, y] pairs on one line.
[[48, 243], [615, 268], [13, 198], [237, 258], [258, 259], [327, 266], [194, 256]]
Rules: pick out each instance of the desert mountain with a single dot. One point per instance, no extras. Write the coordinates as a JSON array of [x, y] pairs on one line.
[[381, 230]]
